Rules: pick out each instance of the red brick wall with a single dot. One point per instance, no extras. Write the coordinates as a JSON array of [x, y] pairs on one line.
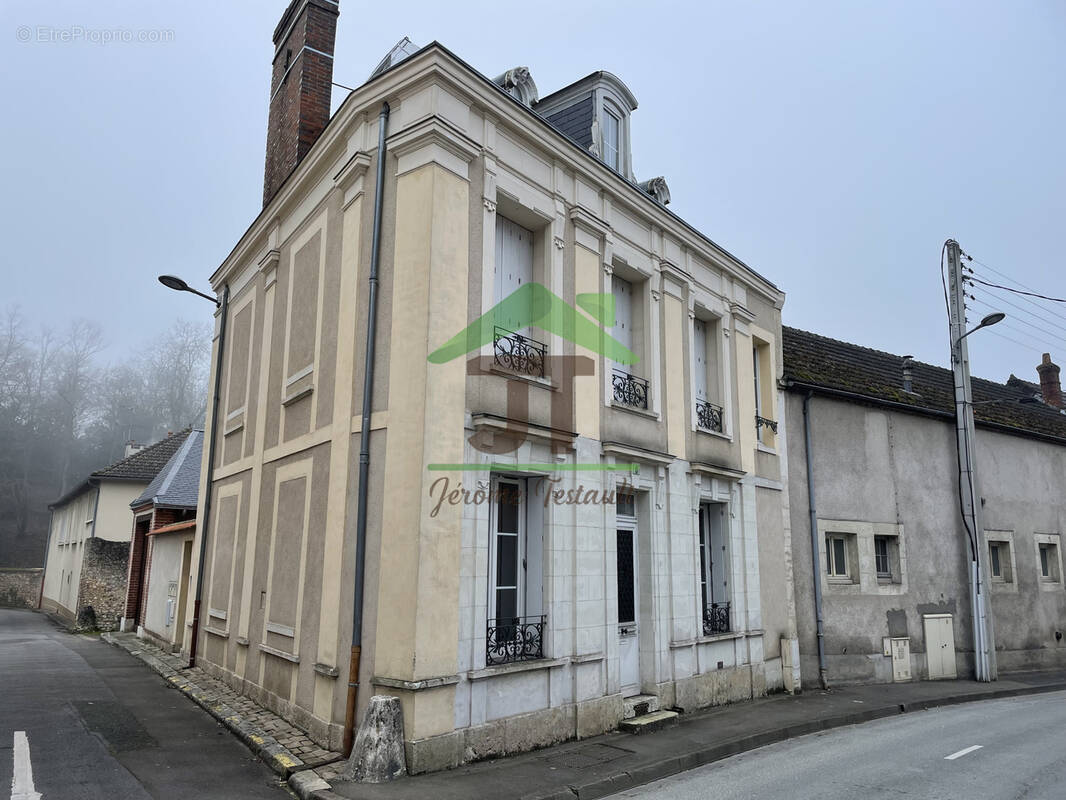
[[300, 88]]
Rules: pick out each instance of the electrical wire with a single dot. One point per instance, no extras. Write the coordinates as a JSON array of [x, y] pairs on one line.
[[1014, 305], [1061, 340], [973, 277]]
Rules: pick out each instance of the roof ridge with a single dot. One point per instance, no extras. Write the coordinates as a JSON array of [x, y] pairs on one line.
[[142, 452]]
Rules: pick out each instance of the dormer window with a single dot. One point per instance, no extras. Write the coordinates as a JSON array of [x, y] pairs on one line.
[[612, 127], [594, 112]]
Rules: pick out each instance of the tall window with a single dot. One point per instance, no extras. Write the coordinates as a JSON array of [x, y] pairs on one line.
[[628, 388], [515, 627], [514, 269], [882, 560], [714, 568], [705, 375], [836, 557], [612, 126]]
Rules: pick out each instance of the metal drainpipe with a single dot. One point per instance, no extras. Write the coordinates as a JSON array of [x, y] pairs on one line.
[[212, 443], [816, 567], [364, 445], [96, 508]]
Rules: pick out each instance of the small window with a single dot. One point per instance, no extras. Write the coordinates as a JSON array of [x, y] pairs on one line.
[[836, 557], [625, 505], [612, 126], [881, 557], [995, 560], [1049, 562]]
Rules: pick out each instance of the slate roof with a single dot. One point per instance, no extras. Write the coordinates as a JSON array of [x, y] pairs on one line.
[[820, 362], [144, 464], [178, 483]]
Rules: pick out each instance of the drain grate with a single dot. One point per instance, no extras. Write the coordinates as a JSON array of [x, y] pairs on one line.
[[588, 755]]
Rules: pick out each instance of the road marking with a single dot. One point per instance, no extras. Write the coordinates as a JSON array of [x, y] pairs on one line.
[[961, 753], [22, 780]]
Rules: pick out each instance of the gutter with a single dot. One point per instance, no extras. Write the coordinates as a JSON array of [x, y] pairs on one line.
[[364, 445], [999, 427]]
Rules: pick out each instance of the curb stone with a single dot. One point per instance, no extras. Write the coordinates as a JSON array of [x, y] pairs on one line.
[[261, 743], [683, 762]]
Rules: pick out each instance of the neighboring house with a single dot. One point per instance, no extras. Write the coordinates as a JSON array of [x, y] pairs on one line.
[[161, 557], [88, 540], [657, 571], [892, 548]]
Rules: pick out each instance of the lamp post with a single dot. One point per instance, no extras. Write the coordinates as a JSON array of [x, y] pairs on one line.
[[983, 638], [178, 285]]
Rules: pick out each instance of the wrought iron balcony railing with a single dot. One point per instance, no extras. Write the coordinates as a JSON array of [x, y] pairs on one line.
[[514, 639], [715, 619], [518, 353], [763, 421], [629, 390], [708, 416]]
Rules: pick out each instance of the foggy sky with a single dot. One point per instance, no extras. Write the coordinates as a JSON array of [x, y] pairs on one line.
[[833, 147]]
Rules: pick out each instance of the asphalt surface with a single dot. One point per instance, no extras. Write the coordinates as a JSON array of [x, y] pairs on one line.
[[1012, 748], [98, 724]]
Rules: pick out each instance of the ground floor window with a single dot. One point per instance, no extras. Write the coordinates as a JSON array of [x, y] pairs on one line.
[[836, 558], [714, 568], [515, 625]]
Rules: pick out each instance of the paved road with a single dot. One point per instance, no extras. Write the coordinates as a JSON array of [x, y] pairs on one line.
[[99, 724], [1022, 755]]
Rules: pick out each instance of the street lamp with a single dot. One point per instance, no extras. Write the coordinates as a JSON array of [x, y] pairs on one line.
[[179, 285], [988, 321]]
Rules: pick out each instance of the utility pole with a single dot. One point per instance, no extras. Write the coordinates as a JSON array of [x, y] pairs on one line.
[[984, 647]]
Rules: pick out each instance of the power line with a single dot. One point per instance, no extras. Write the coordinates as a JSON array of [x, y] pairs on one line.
[[1030, 313], [1060, 340], [1015, 341], [973, 277], [1025, 299], [1001, 274], [980, 298]]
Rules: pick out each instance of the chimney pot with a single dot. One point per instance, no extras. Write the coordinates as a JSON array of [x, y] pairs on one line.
[[1050, 387], [908, 374], [301, 87]]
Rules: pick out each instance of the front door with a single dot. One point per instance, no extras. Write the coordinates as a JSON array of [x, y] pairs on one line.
[[628, 648]]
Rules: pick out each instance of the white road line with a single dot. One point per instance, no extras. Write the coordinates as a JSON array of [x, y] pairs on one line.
[[22, 780], [961, 753]]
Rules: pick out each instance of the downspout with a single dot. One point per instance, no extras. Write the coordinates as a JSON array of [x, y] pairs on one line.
[[816, 567], [364, 445], [96, 508], [211, 444], [47, 551]]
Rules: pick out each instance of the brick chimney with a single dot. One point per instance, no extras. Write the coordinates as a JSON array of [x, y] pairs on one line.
[[301, 86], [1050, 387]]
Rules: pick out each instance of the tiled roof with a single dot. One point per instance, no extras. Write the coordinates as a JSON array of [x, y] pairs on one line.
[[144, 464], [178, 483], [822, 362]]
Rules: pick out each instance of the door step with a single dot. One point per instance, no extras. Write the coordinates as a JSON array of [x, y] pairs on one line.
[[648, 722], [638, 705]]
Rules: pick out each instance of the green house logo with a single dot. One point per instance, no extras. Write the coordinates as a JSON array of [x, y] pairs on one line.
[[534, 306], [511, 327]]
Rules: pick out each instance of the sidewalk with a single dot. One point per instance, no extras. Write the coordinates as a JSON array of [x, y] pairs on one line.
[[615, 762], [284, 748], [583, 770]]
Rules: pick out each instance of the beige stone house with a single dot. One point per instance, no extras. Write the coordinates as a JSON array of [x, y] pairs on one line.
[[88, 539], [571, 517]]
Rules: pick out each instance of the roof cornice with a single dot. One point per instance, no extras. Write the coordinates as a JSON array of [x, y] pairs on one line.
[[434, 61]]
